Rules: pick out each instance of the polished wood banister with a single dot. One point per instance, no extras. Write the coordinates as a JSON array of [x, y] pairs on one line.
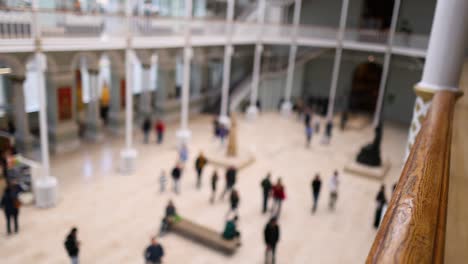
[[413, 229]]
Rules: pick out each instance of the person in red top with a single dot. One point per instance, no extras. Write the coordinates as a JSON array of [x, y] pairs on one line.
[[160, 131], [278, 196]]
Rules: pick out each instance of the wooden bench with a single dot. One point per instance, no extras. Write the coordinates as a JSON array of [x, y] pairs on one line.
[[203, 235]]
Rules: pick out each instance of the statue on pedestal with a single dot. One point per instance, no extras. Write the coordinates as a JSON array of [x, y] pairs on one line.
[[370, 154], [232, 141]]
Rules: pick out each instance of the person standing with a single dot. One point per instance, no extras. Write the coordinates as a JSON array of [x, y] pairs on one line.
[[328, 132], [309, 132], [381, 202], [162, 181], [234, 201], [176, 174], [200, 163], [146, 127], [160, 128], [266, 187], [307, 119], [316, 185], [334, 182], [154, 252], [271, 235], [230, 180], [183, 153], [214, 183], [278, 196], [11, 205], [72, 245]]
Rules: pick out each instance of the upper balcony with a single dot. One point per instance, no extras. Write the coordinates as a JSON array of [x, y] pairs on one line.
[[65, 30]]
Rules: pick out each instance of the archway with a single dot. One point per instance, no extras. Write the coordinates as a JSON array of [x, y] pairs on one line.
[[365, 87]]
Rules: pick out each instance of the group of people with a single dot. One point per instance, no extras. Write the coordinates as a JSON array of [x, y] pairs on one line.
[[312, 125], [276, 192], [159, 128], [316, 187]]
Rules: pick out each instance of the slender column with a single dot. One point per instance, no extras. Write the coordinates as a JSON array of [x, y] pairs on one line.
[[22, 134], [287, 105], [444, 60], [145, 98], [337, 62], [116, 115], [128, 155], [184, 134], [386, 66], [93, 120], [228, 51], [252, 111]]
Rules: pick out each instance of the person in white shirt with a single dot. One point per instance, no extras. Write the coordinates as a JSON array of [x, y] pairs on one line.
[[333, 186]]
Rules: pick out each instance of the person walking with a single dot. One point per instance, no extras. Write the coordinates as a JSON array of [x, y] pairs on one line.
[[316, 185], [160, 128], [234, 201], [381, 202], [230, 180], [309, 132], [11, 205], [214, 183], [154, 252], [278, 196], [334, 182], [176, 175], [271, 235], [200, 163], [146, 127], [72, 245], [328, 132], [223, 133], [183, 153], [266, 187], [162, 181]]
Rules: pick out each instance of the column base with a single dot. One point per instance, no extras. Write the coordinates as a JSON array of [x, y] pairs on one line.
[[64, 137], [46, 191], [116, 122], [286, 108], [128, 158], [183, 136], [225, 121], [252, 112]]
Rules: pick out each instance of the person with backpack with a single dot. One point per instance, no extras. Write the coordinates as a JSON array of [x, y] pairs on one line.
[[200, 163], [271, 235], [72, 245], [154, 252]]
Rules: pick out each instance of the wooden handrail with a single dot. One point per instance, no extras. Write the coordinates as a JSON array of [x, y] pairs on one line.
[[413, 229]]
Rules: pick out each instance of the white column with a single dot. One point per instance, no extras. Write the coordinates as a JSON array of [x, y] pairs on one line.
[[252, 110], [228, 51], [145, 98], [22, 133], [128, 155], [337, 62], [444, 59], [386, 66], [287, 105]]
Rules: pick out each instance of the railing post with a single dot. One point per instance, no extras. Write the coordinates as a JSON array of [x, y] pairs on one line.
[[444, 59]]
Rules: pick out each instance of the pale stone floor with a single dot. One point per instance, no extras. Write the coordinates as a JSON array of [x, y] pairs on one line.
[[116, 215]]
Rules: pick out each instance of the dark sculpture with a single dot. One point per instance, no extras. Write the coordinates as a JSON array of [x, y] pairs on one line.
[[370, 154]]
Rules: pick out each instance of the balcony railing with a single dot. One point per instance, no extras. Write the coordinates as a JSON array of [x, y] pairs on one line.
[[19, 24], [413, 228]]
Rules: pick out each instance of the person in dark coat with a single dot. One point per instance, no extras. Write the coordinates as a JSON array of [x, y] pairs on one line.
[[307, 119], [11, 205], [381, 201], [72, 245], [230, 230], [214, 183], [272, 236], [154, 252], [316, 186], [146, 128], [170, 213], [234, 201], [266, 187], [176, 174], [328, 132], [200, 163], [230, 180]]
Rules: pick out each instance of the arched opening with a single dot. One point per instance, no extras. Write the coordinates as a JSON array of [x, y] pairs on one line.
[[365, 87]]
